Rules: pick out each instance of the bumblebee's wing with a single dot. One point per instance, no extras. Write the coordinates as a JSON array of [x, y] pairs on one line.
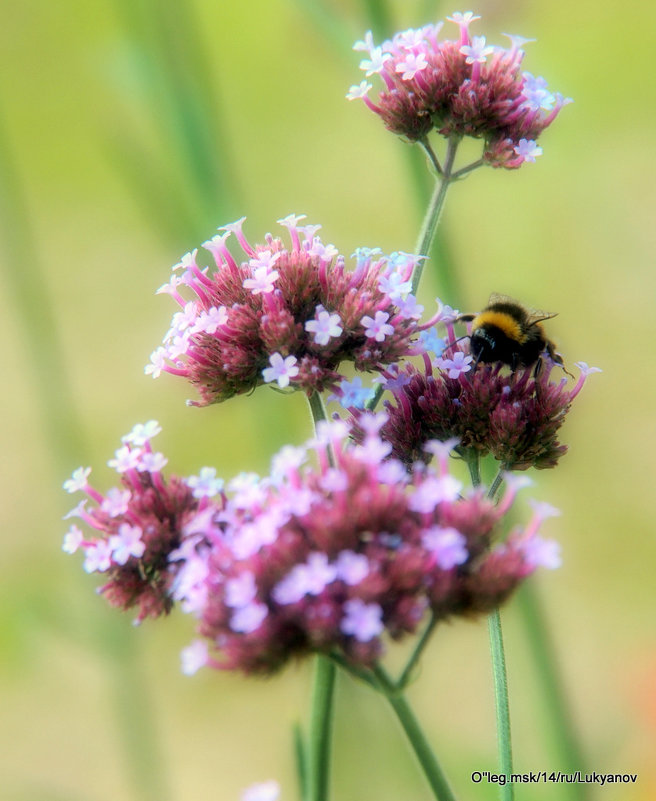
[[532, 315], [497, 297], [535, 316]]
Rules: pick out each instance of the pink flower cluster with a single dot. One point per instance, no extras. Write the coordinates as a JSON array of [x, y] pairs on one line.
[[287, 316], [461, 87], [514, 415], [310, 558], [334, 556], [137, 525]]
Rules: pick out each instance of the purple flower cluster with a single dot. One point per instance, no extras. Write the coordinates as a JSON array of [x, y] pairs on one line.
[[287, 316], [138, 525], [461, 87], [514, 415], [329, 557]]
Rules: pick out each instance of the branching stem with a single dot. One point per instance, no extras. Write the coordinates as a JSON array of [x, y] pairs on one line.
[[416, 738]]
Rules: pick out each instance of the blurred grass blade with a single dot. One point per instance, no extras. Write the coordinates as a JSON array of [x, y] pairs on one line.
[[130, 694], [183, 104], [24, 276], [377, 13], [300, 761], [430, 11], [329, 23], [23, 272], [338, 31], [155, 189]]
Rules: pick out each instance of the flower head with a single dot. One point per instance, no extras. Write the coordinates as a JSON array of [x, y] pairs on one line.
[[462, 87], [514, 415], [336, 553], [135, 529], [286, 315]]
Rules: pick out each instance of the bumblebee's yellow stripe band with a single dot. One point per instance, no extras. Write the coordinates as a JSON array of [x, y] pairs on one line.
[[504, 322]]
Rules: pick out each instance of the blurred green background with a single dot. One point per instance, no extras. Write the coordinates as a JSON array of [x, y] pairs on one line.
[[129, 130]]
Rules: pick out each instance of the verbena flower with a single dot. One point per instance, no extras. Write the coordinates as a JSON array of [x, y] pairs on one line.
[[462, 87], [515, 416], [135, 526], [335, 556], [340, 555], [285, 315]]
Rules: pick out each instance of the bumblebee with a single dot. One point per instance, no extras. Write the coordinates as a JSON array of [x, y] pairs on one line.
[[507, 332]]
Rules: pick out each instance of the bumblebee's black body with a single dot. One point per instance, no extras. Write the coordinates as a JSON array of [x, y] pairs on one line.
[[506, 332]]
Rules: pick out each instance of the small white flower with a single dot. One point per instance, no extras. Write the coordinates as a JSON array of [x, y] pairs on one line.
[[477, 52], [377, 328], [362, 621], [205, 484], [324, 326], [528, 150], [281, 370], [358, 91], [78, 481], [194, 657]]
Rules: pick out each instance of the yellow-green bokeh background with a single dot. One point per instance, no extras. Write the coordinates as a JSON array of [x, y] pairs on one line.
[[79, 689]]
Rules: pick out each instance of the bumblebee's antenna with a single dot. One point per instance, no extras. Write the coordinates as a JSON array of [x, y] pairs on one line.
[[455, 341]]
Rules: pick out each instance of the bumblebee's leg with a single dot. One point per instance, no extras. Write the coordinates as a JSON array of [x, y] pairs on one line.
[[470, 375], [538, 368], [556, 358]]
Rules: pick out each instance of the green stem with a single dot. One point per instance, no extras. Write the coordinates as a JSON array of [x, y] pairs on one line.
[[429, 225], [472, 457], [378, 392], [416, 738], [432, 218], [496, 484], [501, 701], [498, 663], [432, 157], [404, 678], [323, 689], [566, 744], [317, 408], [361, 674], [465, 170], [321, 726], [319, 415]]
